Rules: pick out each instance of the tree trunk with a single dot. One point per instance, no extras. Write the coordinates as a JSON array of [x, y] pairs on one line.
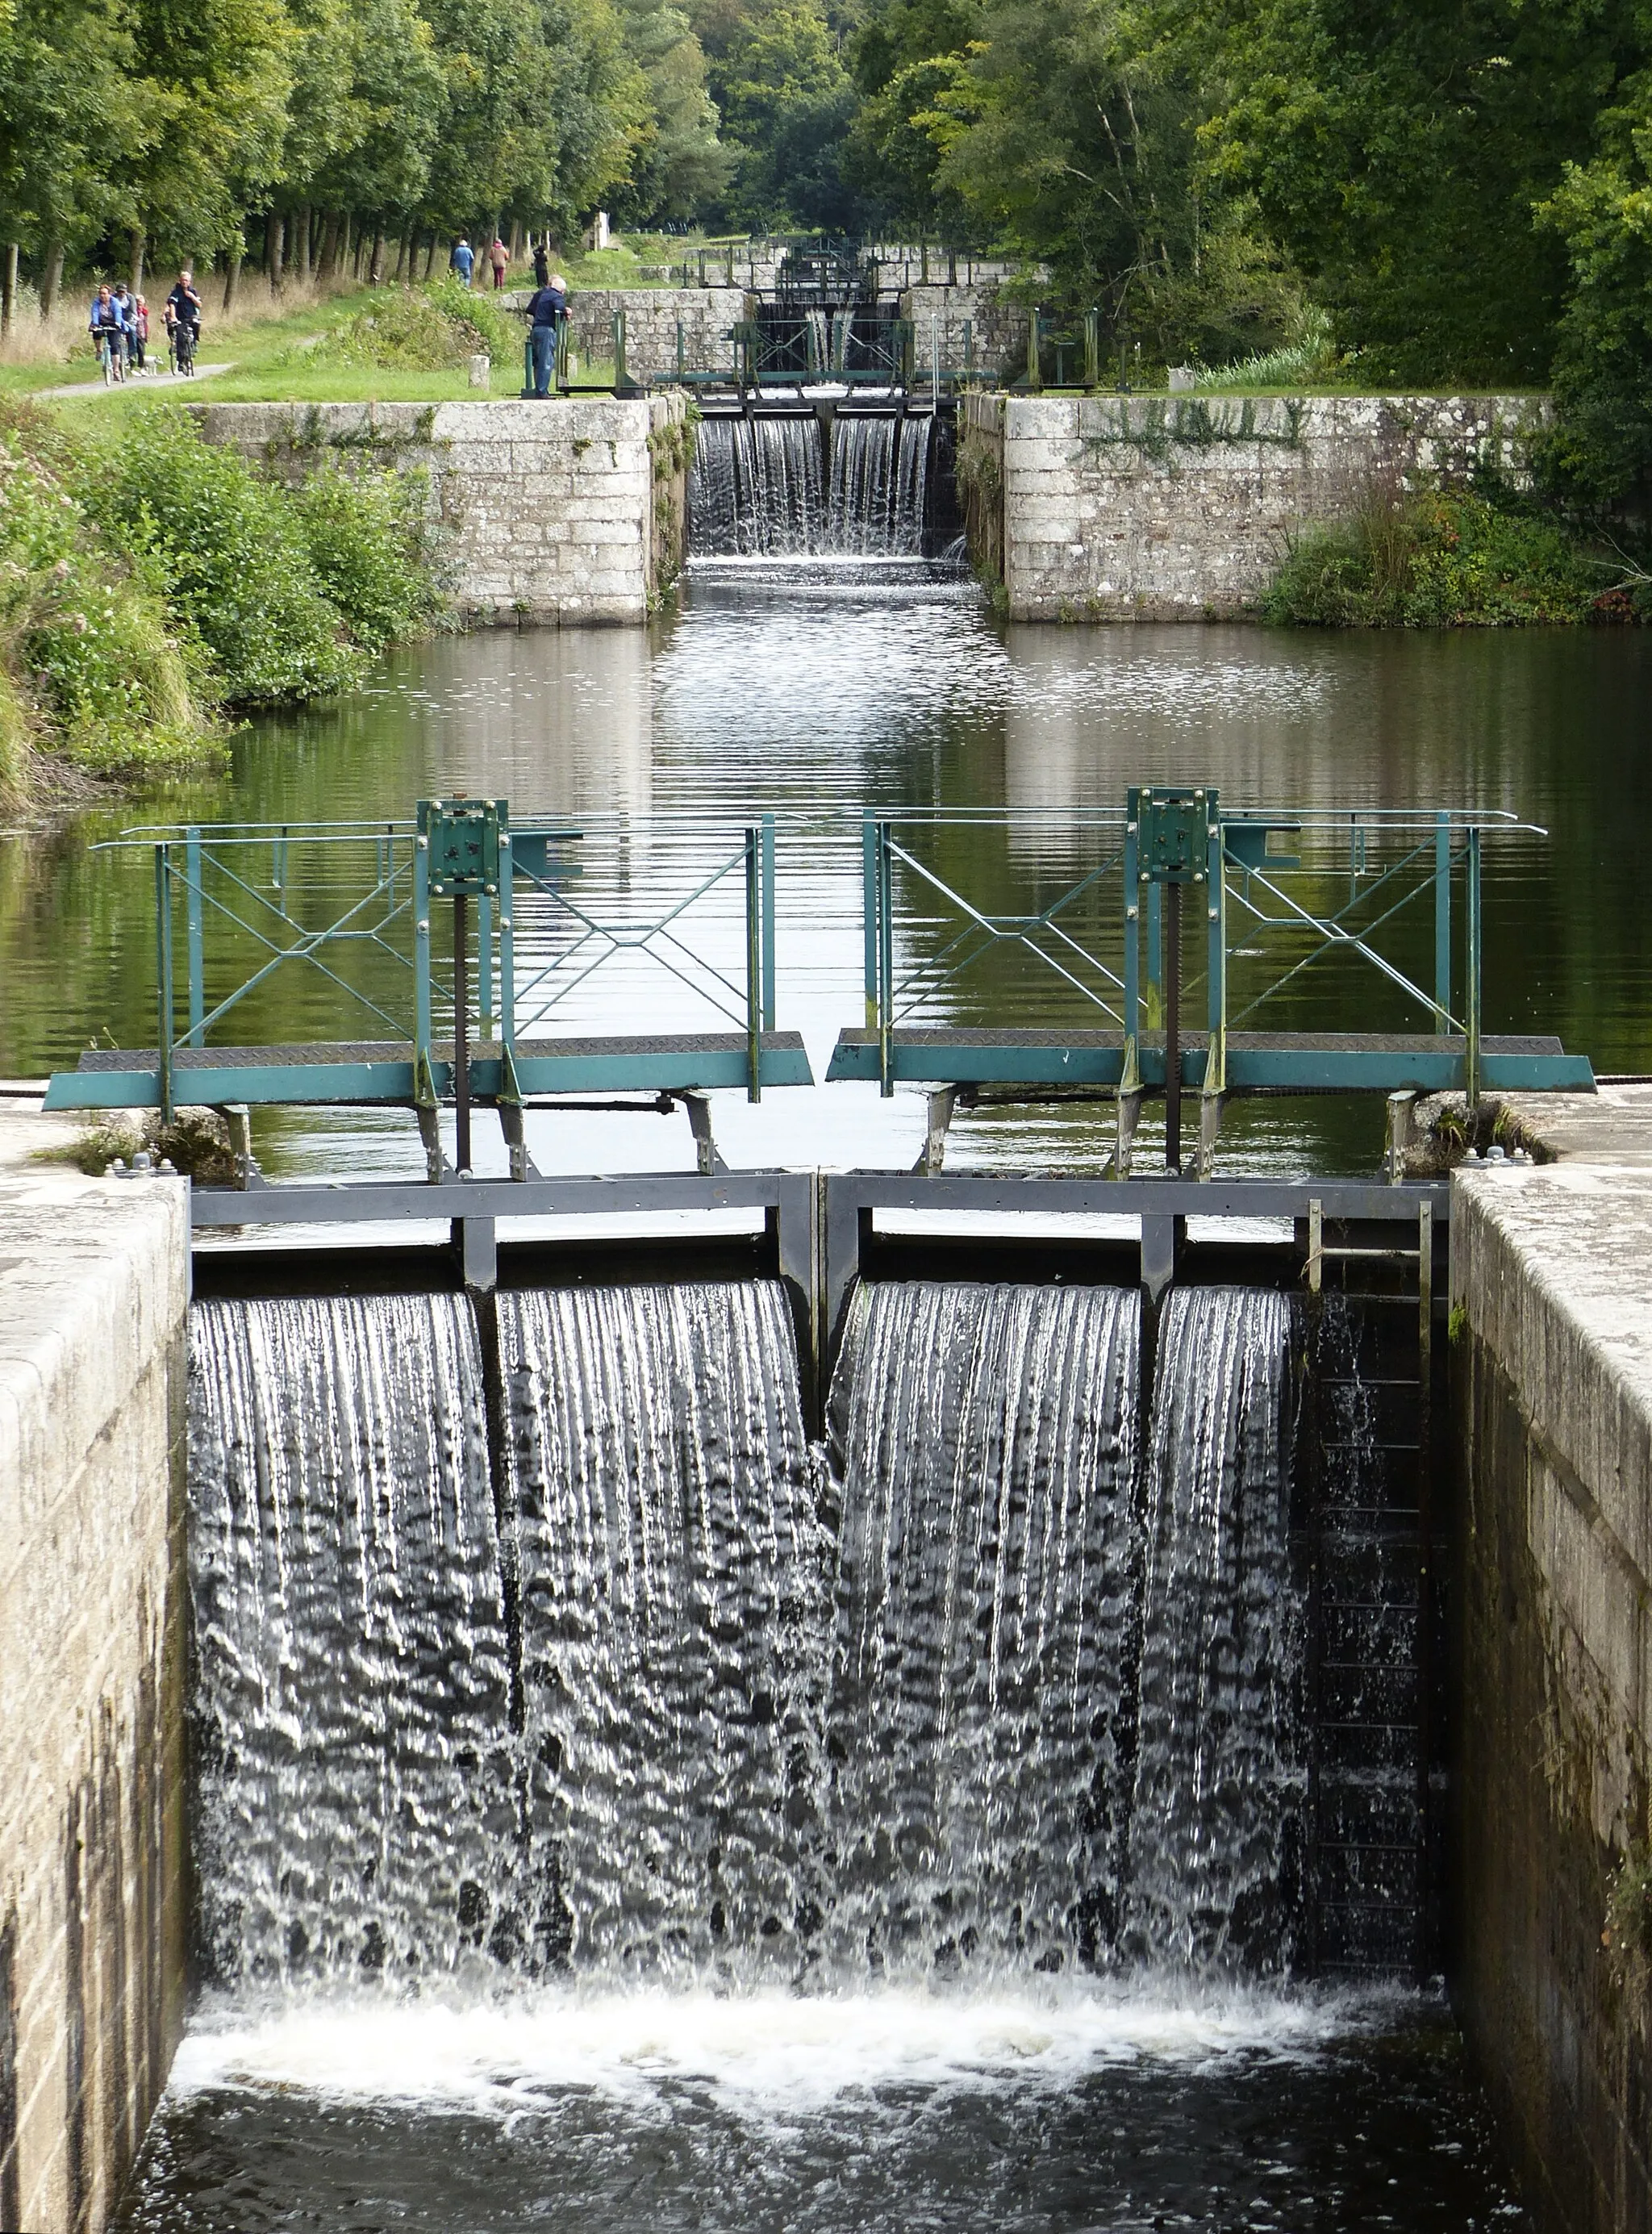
[[302, 244], [515, 239], [135, 280], [51, 280], [430, 256], [400, 256], [329, 248], [8, 288], [375, 262], [274, 238], [232, 280]]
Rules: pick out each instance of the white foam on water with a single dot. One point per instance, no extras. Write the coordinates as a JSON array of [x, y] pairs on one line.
[[763, 2057]]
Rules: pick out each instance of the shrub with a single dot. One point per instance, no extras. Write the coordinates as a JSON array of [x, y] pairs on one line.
[[420, 329], [95, 666], [369, 545], [1439, 561], [229, 551]]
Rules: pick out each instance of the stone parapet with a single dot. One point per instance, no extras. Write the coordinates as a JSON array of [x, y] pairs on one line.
[[568, 511], [1552, 1364], [1120, 507], [94, 1289]]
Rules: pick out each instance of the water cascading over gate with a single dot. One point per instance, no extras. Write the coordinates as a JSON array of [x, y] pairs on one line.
[[544, 1639], [771, 484]]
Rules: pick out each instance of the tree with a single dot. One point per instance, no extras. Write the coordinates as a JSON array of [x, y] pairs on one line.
[[1399, 153], [680, 166], [217, 76], [1600, 452], [1071, 136], [787, 99], [72, 117]]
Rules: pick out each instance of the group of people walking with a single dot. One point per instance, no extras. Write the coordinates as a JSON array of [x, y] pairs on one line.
[[120, 327]]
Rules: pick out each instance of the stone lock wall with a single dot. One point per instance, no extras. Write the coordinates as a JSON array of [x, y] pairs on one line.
[[997, 328], [1181, 507], [94, 1279], [652, 314], [1551, 1370], [548, 511]]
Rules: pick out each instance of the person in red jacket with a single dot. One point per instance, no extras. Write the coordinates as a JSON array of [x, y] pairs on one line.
[[499, 256]]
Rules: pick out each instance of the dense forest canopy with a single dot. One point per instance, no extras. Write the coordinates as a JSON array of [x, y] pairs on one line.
[[1456, 193]]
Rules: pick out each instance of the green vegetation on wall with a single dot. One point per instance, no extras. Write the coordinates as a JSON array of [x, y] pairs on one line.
[[1445, 561]]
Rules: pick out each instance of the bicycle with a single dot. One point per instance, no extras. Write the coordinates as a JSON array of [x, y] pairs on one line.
[[111, 355], [182, 348]]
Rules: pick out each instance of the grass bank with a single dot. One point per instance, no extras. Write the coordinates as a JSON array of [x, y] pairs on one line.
[[151, 585], [1451, 560]]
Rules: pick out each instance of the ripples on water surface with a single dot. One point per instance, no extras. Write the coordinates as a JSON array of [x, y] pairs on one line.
[[1113, 2113], [814, 691]]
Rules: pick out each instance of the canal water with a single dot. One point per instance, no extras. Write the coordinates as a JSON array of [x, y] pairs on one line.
[[815, 693], [1138, 2097]]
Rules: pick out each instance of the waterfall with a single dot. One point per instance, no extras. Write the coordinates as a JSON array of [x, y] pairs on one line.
[[759, 486], [756, 487], [979, 1730], [533, 1634], [879, 489], [1220, 1774], [350, 1720], [672, 1578]]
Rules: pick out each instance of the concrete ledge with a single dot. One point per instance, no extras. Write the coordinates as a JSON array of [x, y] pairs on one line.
[[1551, 1366], [506, 482], [93, 1294], [1151, 507]]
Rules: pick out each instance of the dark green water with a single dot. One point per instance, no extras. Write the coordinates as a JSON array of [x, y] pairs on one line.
[[813, 699]]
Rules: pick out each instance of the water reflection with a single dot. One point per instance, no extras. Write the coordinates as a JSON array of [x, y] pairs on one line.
[[812, 694]]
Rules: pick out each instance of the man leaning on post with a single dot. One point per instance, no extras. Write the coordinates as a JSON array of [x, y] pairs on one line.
[[545, 313]]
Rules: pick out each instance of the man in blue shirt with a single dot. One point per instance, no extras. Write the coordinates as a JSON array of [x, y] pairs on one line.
[[545, 314], [464, 259]]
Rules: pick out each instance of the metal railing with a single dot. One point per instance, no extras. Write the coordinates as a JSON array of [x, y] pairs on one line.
[[1268, 889], [238, 905]]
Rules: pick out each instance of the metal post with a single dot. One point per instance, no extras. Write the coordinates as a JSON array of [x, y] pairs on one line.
[[163, 976], [968, 351], [621, 377], [484, 968], [1131, 933], [1315, 1245], [1172, 1028], [935, 366], [682, 360], [1216, 971], [886, 965], [754, 963], [461, 1037], [506, 947], [1155, 956], [1035, 373], [1093, 349], [1471, 977], [424, 1083], [192, 921], [869, 911], [768, 923], [1442, 922]]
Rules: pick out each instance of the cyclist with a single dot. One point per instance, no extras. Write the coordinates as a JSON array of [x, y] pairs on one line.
[[107, 327], [183, 324]]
